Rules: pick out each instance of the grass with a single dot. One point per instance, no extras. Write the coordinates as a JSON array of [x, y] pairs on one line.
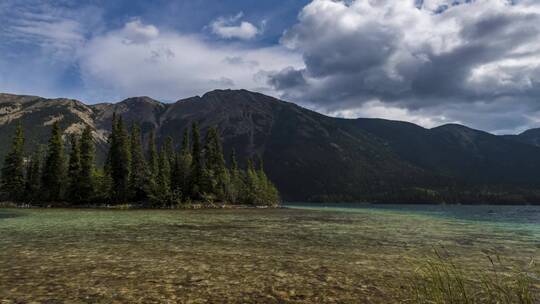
[[242, 255], [440, 280]]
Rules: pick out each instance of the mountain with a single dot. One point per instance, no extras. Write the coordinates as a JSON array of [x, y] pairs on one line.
[[308, 155], [531, 137]]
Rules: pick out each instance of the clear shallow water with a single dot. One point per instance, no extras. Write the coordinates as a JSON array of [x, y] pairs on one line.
[[527, 215], [344, 254]]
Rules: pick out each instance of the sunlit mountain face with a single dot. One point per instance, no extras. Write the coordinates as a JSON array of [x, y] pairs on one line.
[[426, 62]]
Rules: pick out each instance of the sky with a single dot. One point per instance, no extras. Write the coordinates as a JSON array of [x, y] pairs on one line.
[[430, 62]]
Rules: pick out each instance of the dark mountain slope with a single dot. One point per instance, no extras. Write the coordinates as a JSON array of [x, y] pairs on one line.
[[308, 155], [456, 151], [531, 137]]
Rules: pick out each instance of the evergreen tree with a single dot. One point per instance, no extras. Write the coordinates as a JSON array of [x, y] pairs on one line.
[[139, 172], [74, 171], [164, 178], [199, 174], [170, 156], [120, 162], [251, 189], [104, 178], [182, 168], [168, 147], [87, 173], [268, 194], [196, 163], [153, 162], [216, 174], [13, 182], [54, 171], [33, 175], [236, 183]]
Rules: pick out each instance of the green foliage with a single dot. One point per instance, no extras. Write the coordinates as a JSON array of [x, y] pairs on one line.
[[153, 163], [182, 169], [139, 188], [33, 175], [439, 280], [87, 182], [163, 179], [74, 171], [236, 183], [258, 189], [194, 174], [13, 183], [54, 171], [196, 179], [120, 161]]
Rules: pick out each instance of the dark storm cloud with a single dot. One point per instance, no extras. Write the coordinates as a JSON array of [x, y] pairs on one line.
[[288, 78], [413, 55]]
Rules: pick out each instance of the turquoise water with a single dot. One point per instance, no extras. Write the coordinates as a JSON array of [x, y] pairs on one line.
[[517, 217]]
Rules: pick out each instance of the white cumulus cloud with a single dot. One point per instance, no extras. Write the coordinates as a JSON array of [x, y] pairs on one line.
[[168, 65], [233, 27]]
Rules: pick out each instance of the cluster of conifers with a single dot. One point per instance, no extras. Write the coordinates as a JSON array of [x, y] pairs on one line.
[[132, 174]]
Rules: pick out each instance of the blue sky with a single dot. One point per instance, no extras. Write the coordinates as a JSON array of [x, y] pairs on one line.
[[431, 62], [28, 54]]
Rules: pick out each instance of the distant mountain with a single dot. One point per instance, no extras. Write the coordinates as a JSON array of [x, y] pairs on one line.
[[311, 156], [531, 137]]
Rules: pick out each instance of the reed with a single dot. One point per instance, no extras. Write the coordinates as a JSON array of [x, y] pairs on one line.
[[440, 280]]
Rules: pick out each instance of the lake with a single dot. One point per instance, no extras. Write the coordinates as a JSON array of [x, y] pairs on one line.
[[332, 253]]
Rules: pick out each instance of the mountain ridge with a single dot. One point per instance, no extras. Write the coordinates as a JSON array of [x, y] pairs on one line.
[[311, 156]]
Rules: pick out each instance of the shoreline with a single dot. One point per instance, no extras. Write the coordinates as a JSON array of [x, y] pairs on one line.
[[191, 206]]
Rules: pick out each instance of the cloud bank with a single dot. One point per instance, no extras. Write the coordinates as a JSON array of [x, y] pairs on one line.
[[475, 62], [438, 59], [139, 59]]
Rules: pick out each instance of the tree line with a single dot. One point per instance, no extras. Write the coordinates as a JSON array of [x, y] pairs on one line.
[[67, 173]]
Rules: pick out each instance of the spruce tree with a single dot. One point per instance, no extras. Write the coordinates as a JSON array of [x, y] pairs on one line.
[[183, 167], [168, 146], [196, 163], [13, 182], [120, 162], [54, 171], [74, 172], [86, 178], [33, 175], [104, 180], [268, 194], [164, 178], [236, 183], [139, 172], [251, 189], [216, 172], [153, 162]]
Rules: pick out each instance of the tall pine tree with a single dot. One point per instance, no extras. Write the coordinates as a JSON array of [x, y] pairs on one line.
[[74, 171], [86, 178], [139, 172], [33, 175], [268, 194], [216, 172], [120, 162], [182, 168], [236, 184], [13, 182], [54, 171], [153, 162], [164, 178], [196, 164]]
